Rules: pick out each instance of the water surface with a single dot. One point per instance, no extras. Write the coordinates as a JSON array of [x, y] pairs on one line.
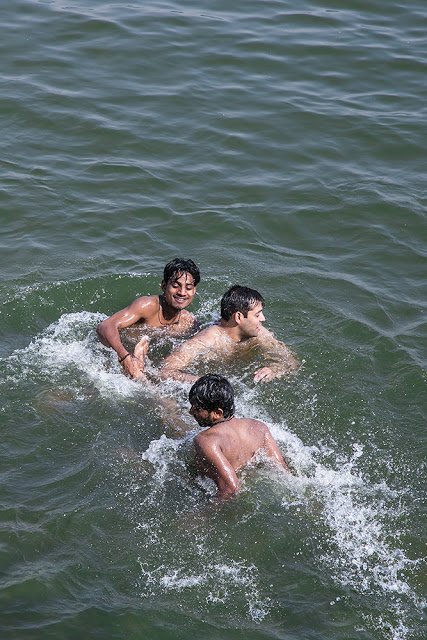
[[279, 146]]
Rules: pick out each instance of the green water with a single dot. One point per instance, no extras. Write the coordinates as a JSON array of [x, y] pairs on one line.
[[279, 146]]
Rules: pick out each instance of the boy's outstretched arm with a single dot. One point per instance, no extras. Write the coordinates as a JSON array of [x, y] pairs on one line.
[[281, 360]]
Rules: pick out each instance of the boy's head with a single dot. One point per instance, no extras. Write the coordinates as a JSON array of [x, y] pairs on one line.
[[180, 279], [211, 399], [178, 267], [239, 299], [243, 307]]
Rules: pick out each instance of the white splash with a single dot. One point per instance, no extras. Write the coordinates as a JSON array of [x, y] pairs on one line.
[[218, 583], [355, 515], [70, 345]]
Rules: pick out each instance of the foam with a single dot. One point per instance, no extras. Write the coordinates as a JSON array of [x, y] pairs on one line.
[[219, 583], [356, 517], [70, 346], [161, 453]]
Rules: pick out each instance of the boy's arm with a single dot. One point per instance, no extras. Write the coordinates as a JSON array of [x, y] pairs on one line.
[[218, 468], [175, 365], [108, 331], [273, 451], [283, 361]]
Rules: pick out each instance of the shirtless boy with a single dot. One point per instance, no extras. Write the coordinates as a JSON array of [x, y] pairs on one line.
[[166, 311], [228, 443], [239, 329]]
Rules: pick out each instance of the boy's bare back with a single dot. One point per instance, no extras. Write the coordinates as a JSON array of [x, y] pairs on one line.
[[228, 446]]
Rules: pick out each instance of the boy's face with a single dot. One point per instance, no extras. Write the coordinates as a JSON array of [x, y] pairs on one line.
[[179, 290], [252, 324], [203, 417]]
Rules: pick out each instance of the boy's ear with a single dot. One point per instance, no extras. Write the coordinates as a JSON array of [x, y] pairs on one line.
[[237, 316], [163, 285], [218, 414]]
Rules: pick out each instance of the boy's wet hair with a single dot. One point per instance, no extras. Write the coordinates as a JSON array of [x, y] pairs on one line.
[[241, 299], [178, 266], [212, 392]]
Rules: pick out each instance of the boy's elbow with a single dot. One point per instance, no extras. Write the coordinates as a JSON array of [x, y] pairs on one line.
[[103, 332], [167, 373], [291, 364], [226, 494], [285, 466], [229, 490], [100, 330]]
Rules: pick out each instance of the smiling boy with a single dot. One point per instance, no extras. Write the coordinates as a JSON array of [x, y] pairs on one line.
[[166, 311]]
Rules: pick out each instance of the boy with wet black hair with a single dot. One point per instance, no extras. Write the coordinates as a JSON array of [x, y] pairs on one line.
[[178, 266], [239, 331], [228, 443], [166, 311], [239, 298], [213, 391]]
